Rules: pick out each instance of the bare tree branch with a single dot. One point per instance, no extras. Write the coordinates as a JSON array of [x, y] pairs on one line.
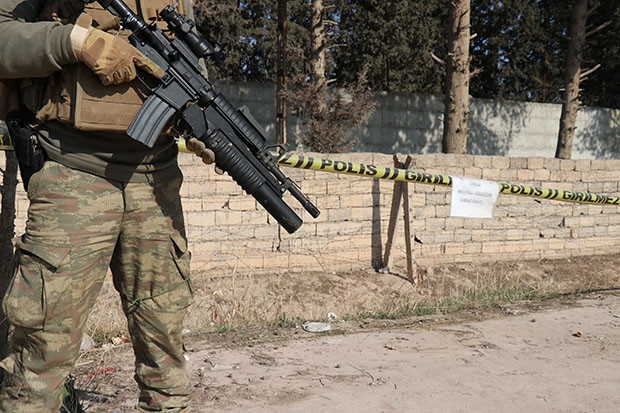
[[475, 72], [598, 29], [592, 9], [437, 59], [588, 72]]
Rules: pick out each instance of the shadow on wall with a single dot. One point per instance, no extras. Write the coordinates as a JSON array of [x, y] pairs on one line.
[[403, 123], [376, 242], [598, 133], [493, 126], [413, 124]]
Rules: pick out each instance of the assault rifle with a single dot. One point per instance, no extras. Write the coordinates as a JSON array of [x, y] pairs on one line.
[[186, 98]]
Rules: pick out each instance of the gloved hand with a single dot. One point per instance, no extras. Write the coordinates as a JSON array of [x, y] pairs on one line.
[[110, 57], [201, 151]]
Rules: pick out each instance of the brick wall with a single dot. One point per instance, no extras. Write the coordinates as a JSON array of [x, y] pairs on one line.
[[229, 232]]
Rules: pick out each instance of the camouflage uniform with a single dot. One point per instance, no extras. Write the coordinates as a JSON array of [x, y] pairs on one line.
[[78, 225], [101, 201]]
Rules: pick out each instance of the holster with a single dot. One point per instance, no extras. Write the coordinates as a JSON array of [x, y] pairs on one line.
[[25, 137]]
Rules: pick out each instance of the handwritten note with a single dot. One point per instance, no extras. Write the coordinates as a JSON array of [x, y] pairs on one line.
[[473, 198]]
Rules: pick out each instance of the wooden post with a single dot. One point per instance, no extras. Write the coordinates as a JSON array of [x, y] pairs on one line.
[[401, 190], [406, 218]]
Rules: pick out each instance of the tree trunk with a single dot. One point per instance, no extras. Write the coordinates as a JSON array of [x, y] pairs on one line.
[[317, 58], [281, 74], [456, 109], [570, 101], [7, 232]]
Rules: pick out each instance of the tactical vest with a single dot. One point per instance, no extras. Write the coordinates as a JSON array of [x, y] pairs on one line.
[[76, 95]]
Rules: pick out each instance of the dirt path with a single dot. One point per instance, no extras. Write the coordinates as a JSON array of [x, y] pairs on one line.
[[558, 359]]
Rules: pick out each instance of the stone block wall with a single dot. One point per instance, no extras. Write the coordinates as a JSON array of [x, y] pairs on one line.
[[230, 233]]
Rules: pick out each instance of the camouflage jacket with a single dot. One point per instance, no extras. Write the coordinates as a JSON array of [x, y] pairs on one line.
[[37, 50]]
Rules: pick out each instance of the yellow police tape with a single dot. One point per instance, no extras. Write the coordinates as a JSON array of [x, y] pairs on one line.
[[405, 175], [395, 174]]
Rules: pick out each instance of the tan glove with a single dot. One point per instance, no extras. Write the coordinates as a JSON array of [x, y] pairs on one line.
[[110, 57]]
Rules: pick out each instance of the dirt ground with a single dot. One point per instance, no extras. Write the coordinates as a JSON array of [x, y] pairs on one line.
[[556, 355]]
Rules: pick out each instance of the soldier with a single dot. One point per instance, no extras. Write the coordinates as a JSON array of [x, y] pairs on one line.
[[100, 200]]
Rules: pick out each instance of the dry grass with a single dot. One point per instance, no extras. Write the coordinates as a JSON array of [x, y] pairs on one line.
[[237, 302]]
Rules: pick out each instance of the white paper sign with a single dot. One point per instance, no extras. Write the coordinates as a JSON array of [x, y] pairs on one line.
[[473, 198]]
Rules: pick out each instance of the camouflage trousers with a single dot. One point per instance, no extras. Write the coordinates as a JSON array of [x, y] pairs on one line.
[[79, 225]]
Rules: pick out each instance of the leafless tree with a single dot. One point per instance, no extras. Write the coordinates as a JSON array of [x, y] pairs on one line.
[[281, 74], [329, 115], [574, 75], [457, 99]]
